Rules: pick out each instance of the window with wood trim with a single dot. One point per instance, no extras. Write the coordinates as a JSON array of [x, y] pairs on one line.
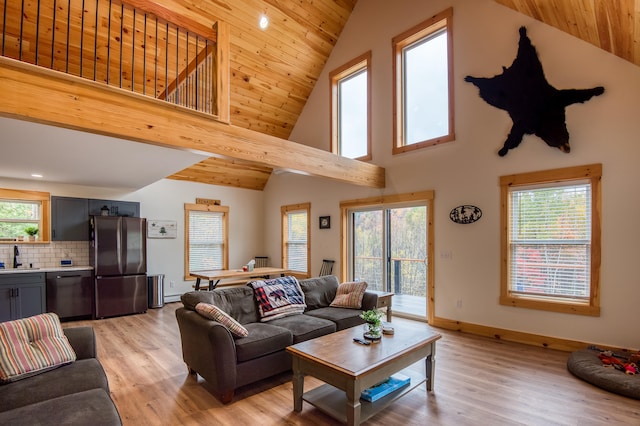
[[206, 238], [350, 99], [423, 84], [551, 240], [20, 210], [296, 237]]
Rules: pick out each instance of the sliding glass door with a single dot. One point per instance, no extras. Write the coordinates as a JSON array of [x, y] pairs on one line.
[[389, 250]]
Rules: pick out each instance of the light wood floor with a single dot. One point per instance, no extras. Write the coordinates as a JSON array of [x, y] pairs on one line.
[[478, 381]]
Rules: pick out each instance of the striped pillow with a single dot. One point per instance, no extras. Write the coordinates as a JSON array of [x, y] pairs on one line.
[[349, 295], [33, 345], [213, 312]]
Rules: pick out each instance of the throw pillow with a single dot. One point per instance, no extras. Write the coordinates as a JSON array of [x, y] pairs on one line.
[[213, 312], [349, 295], [33, 345], [278, 297]]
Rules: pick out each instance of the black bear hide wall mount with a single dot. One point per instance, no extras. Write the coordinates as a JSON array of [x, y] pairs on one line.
[[535, 107]]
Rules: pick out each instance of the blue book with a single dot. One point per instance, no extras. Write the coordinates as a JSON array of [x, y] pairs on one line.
[[382, 389]]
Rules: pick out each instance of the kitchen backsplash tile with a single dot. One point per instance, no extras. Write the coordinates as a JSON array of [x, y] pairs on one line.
[[47, 256]]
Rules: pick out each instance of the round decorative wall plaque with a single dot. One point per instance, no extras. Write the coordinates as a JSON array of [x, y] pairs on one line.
[[465, 214]]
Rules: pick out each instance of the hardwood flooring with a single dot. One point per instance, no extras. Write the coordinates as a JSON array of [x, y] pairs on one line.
[[478, 381]]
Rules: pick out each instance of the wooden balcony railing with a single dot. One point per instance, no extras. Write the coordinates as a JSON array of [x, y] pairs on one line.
[[132, 46]]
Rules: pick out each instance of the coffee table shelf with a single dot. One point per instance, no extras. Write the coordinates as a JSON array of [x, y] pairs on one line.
[[332, 400]]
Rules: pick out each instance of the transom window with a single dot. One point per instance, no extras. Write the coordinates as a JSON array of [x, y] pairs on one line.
[[351, 109], [423, 86], [296, 237], [551, 241], [206, 238], [23, 213]]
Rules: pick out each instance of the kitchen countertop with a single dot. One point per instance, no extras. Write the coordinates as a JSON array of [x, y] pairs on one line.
[[36, 270]]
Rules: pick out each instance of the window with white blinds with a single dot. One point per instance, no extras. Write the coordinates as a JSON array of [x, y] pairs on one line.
[[551, 243], [295, 230], [206, 237]]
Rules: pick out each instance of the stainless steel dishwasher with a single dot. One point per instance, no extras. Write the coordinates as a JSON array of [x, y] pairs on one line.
[[70, 293]]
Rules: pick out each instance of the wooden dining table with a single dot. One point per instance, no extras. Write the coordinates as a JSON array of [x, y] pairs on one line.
[[215, 275]]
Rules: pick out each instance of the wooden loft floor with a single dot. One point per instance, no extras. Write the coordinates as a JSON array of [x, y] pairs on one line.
[[478, 381], [41, 95]]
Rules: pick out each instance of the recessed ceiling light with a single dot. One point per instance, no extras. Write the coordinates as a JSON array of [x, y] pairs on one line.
[[264, 22], [36, 175]]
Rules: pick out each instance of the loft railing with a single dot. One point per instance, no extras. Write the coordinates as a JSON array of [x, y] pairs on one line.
[[118, 44]]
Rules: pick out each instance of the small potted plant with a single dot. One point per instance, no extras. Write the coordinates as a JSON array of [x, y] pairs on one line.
[[32, 231], [373, 321]]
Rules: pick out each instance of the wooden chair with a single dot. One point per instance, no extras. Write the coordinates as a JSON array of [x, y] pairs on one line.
[[261, 261], [327, 267]]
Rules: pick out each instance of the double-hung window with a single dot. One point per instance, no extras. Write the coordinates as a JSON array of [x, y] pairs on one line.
[[296, 237], [21, 210], [551, 240], [206, 238], [423, 86], [351, 109]]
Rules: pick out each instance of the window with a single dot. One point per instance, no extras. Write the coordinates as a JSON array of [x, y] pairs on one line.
[[551, 240], [295, 237], [389, 244], [206, 237], [423, 86], [20, 210], [351, 109]]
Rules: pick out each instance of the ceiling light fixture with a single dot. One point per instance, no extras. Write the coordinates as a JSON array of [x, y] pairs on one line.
[[264, 22], [36, 175]]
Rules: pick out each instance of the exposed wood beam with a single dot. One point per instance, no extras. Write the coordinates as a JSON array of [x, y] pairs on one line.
[[50, 97]]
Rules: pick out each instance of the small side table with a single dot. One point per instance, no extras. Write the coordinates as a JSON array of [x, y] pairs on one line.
[[384, 300]]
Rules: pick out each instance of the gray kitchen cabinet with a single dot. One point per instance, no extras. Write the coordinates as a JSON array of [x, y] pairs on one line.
[[22, 295], [116, 208], [69, 219]]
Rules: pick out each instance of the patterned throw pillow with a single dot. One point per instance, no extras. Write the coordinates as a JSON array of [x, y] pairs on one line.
[[213, 312], [33, 345], [349, 295], [278, 297]]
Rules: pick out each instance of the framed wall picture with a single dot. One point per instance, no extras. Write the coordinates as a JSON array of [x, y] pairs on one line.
[[162, 228], [325, 222]]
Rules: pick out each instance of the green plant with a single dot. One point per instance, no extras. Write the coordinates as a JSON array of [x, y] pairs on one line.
[[31, 230], [372, 316]]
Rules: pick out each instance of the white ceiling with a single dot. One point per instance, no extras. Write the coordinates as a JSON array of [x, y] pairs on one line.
[[72, 157]]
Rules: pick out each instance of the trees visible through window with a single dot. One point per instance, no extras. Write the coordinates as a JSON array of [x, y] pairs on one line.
[[23, 213], [351, 109], [206, 238], [423, 86], [295, 237], [551, 241]]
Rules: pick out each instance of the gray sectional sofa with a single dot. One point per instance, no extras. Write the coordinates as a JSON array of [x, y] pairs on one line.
[[227, 362], [74, 394]]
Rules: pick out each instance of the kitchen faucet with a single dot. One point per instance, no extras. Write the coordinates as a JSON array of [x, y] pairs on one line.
[[16, 253]]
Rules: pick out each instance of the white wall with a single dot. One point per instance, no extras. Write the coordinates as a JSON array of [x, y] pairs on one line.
[[603, 130], [164, 200]]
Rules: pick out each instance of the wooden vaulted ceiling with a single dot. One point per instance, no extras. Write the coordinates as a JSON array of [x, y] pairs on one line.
[[273, 71]]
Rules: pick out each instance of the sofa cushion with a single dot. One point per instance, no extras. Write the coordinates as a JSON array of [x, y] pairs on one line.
[[214, 313], [319, 292], [342, 317], [304, 327], [79, 376], [91, 407], [278, 297], [263, 339], [238, 302], [349, 295], [32, 345]]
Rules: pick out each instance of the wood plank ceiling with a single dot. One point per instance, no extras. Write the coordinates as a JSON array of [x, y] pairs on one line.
[[274, 71]]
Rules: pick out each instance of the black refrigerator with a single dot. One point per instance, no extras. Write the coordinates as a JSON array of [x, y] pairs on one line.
[[118, 254]]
